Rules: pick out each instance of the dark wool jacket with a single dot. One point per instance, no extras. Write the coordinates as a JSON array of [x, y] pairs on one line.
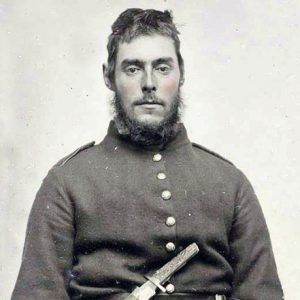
[[98, 225]]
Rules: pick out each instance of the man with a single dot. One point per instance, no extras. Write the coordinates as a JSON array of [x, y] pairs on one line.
[[109, 214]]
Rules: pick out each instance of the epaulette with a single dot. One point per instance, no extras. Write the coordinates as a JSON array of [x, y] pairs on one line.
[[70, 156], [211, 152]]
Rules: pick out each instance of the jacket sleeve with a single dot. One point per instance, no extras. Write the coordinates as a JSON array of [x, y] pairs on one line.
[[252, 259], [48, 251]]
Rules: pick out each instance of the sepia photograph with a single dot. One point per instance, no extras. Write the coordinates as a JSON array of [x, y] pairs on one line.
[[149, 149]]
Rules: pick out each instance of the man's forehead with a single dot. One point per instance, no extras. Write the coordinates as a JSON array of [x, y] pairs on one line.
[[147, 48]]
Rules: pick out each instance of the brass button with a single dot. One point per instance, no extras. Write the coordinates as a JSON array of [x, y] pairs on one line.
[[170, 288], [170, 221], [161, 176], [166, 195], [157, 157], [170, 247]]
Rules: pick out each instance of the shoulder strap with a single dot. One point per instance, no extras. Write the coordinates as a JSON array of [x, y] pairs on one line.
[[211, 152], [70, 156]]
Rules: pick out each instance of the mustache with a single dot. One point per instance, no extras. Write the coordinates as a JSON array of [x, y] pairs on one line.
[[149, 99]]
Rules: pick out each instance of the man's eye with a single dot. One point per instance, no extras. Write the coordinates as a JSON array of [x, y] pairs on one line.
[[132, 70], [163, 69]]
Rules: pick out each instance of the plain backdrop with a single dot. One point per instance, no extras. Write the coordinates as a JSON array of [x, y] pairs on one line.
[[242, 61]]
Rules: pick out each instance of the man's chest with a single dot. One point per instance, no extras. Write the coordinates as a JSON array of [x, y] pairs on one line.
[[148, 203]]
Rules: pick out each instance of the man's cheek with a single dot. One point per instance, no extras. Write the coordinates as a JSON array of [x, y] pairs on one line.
[[170, 85], [129, 88]]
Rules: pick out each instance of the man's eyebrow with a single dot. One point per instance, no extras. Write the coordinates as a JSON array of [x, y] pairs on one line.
[[135, 62], [163, 60]]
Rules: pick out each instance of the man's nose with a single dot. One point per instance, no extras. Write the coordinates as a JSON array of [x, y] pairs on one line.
[[148, 83]]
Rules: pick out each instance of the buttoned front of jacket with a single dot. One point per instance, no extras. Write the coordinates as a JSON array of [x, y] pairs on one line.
[[115, 212]]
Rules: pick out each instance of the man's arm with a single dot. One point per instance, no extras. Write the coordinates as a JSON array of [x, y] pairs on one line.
[[48, 250], [252, 259]]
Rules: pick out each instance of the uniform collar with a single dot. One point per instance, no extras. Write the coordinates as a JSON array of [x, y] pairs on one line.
[[114, 137]]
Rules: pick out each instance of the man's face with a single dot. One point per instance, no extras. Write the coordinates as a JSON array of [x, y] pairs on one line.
[[147, 78]]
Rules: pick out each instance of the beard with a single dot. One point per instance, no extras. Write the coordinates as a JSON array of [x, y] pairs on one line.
[[143, 134]]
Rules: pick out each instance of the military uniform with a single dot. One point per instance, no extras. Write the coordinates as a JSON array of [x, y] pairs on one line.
[[111, 213]]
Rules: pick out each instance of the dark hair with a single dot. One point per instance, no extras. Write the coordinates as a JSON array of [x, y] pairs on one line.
[[134, 22]]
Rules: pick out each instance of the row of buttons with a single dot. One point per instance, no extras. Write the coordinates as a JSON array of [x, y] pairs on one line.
[[166, 195], [170, 221]]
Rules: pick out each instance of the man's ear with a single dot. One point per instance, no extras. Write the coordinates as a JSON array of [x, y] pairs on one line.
[[107, 80], [181, 81]]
